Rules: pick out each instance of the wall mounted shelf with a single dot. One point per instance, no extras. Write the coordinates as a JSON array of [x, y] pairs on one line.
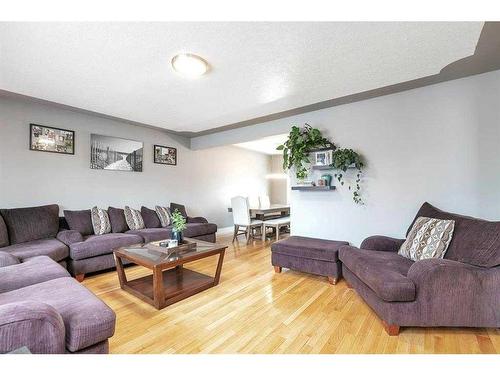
[[328, 168], [313, 188]]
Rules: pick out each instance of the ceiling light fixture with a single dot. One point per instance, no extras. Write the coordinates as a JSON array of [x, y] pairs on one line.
[[189, 65]]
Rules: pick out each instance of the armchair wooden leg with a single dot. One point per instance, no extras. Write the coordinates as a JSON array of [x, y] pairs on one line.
[[391, 329], [277, 269], [332, 280], [80, 277]]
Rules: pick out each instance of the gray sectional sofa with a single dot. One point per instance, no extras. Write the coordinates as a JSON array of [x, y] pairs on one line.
[[35, 231], [45, 310]]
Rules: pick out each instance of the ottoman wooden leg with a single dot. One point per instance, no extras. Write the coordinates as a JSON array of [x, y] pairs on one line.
[[332, 280], [277, 269], [80, 277]]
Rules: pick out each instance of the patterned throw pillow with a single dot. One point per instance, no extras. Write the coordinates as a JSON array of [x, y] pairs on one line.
[[100, 221], [428, 238], [164, 215], [134, 218]]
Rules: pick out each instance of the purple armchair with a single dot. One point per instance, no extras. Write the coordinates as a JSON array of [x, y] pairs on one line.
[[461, 290]]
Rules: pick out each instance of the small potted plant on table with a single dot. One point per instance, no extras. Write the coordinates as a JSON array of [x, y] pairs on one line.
[[178, 225]]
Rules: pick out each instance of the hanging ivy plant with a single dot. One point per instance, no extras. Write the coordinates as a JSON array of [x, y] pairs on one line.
[[296, 149], [298, 146], [343, 159]]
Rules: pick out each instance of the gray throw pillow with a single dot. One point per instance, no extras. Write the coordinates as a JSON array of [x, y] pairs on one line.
[[100, 221], [428, 238], [134, 218]]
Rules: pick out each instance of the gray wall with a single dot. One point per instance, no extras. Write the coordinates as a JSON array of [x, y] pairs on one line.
[[203, 180], [438, 143]]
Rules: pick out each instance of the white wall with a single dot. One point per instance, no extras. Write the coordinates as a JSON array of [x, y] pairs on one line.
[[278, 185], [204, 180], [438, 143]]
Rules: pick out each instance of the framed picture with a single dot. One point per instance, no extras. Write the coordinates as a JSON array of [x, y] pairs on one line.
[[115, 154], [49, 139], [165, 155], [323, 157]]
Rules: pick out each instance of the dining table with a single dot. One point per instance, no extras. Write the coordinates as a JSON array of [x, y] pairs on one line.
[[265, 212]]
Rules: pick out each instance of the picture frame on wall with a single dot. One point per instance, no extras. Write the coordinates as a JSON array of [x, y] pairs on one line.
[[115, 154], [49, 139], [165, 155]]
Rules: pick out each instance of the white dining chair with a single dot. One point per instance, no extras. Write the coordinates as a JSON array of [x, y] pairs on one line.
[[264, 201], [241, 218], [253, 201]]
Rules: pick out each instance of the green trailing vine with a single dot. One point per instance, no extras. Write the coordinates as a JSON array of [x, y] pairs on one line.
[[298, 146], [344, 158]]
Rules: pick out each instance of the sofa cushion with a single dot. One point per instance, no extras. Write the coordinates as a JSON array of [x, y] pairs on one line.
[[475, 241], [50, 247], [95, 245], [151, 219], [310, 248], [429, 238], [198, 229], [4, 234], [383, 272], [133, 218], [31, 223], [117, 219], [181, 208], [100, 221], [87, 319], [152, 234], [33, 271], [81, 221]]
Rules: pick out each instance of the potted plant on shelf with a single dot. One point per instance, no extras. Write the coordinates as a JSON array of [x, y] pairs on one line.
[[300, 143], [178, 225]]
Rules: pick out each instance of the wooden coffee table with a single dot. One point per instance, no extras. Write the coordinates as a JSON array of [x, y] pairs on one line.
[[170, 281]]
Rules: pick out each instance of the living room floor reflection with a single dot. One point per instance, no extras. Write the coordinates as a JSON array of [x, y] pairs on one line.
[[255, 310]]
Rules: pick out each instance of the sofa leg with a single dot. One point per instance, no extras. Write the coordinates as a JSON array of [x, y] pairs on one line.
[[391, 329], [80, 277], [277, 269], [332, 280]]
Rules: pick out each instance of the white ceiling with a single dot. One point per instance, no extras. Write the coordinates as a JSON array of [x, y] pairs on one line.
[[123, 69], [265, 145]]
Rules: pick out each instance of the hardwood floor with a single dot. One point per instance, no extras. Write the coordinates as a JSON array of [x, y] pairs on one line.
[[255, 310]]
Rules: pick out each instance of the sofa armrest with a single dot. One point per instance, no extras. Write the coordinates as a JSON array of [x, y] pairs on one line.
[[382, 243], [36, 325], [69, 237], [197, 219], [7, 259], [460, 291]]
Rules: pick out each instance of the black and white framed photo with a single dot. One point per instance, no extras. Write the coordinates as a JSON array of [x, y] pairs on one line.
[[49, 139], [165, 155], [323, 158], [115, 154]]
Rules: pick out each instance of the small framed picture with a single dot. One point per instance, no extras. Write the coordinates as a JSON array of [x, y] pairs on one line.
[[49, 139], [324, 157], [165, 155]]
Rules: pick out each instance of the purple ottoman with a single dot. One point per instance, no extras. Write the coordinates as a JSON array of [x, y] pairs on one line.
[[311, 255]]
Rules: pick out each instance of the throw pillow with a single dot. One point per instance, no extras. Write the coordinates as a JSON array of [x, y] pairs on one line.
[[133, 218], [81, 221], [117, 218], [100, 221], [164, 215], [150, 218], [428, 238]]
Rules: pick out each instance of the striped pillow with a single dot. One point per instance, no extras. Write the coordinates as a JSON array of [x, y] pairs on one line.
[[164, 215], [100, 221], [133, 218]]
